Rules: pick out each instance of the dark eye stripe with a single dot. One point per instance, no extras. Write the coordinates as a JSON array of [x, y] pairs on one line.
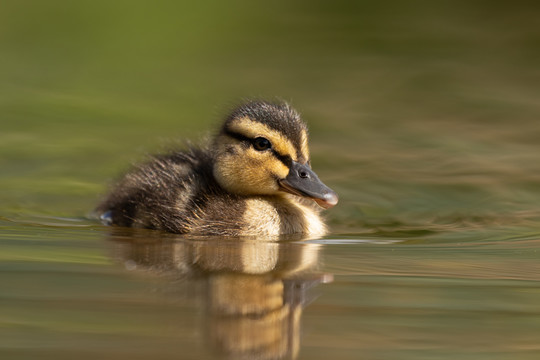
[[237, 136], [285, 159]]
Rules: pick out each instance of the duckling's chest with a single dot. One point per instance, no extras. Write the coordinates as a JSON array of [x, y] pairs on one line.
[[280, 216]]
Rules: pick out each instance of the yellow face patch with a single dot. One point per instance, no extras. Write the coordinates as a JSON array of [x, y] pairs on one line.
[[254, 129], [244, 170], [248, 171]]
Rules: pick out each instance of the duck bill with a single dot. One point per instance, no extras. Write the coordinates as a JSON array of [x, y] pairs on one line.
[[302, 181]]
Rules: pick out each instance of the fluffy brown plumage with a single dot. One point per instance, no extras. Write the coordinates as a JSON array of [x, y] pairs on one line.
[[252, 179]]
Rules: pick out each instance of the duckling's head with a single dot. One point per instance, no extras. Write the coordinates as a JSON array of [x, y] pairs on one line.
[[262, 149]]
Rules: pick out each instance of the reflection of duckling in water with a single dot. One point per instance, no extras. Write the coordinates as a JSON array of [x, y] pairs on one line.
[[253, 179], [254, 291]]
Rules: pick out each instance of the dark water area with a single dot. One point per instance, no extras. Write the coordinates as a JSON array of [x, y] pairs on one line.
[[424, 117]]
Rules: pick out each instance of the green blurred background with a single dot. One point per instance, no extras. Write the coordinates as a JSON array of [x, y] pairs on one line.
[[424, 115]]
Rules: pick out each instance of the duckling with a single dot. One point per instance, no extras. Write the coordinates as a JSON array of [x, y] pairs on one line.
[[253, 179]]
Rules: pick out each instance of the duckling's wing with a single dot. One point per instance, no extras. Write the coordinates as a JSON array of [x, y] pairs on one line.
[[155, 194]]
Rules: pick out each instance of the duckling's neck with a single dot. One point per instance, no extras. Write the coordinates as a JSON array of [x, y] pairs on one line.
[[277, 215]]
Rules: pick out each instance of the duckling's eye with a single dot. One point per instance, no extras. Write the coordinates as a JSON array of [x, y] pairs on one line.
[[261, 144]]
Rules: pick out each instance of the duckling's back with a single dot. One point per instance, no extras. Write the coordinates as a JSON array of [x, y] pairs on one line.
[[169, 193]]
